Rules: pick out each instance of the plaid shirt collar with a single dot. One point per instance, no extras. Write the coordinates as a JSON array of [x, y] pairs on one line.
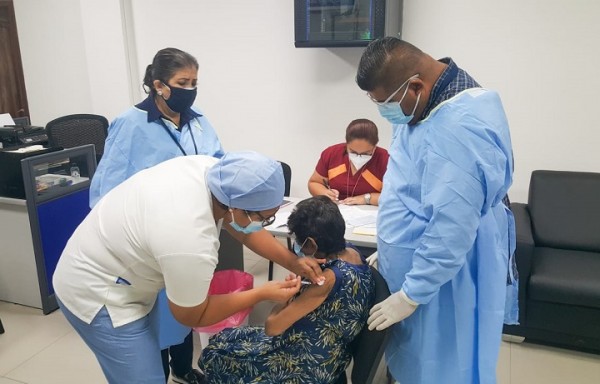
[[451, 82]]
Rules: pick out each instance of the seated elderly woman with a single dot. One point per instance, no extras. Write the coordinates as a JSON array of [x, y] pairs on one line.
[[305, 340], [352, 172]]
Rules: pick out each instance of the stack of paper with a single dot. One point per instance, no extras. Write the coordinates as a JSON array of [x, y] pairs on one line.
[[368, 230], [356, 217]]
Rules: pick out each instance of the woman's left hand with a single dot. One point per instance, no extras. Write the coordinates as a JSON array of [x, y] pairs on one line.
[[354, 200]]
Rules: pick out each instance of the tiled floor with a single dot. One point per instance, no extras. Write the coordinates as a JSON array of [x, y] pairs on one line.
[[38, 349]]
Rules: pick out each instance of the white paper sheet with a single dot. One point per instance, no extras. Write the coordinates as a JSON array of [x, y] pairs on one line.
[[356, 217], [6, 119], [281, 219], [31, 148]]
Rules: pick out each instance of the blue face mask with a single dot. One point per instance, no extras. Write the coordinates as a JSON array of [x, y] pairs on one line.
[[392, 111], [181, 99], [254, 226], [298, 249]]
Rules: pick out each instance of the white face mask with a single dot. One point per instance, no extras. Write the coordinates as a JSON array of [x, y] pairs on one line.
[[359, 160]]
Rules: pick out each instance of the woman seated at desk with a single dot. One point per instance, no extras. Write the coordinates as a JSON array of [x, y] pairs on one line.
[[352, 172], [305, 340]]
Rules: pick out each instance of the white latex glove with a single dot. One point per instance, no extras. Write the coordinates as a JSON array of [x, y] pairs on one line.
[[395, 308], [371, 260]]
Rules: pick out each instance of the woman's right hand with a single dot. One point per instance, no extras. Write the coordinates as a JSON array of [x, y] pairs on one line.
[[280, 291], [333, 194]]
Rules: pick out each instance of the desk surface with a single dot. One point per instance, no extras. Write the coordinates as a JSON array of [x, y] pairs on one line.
[[357, 214], [12, 201]]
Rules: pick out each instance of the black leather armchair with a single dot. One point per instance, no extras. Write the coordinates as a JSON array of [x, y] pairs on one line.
[[558, 259]]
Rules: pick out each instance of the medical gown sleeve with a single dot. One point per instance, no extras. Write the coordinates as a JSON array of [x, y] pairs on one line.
[[116, 165]]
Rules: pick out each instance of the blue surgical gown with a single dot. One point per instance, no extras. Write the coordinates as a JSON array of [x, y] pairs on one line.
[[444, 237], [134, 144]]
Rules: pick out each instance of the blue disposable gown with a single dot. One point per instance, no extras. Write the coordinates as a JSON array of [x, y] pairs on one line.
[[134, 144], [444, 237]]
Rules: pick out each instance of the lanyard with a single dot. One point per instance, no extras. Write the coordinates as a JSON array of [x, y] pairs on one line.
[[172, 135]]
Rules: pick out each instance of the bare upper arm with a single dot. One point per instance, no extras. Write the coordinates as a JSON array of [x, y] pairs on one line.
[[309, 300], [316, 178]]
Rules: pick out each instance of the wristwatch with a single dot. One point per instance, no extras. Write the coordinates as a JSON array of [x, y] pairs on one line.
[[368, 198]]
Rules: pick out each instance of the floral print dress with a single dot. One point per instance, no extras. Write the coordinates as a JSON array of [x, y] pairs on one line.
[[315, 349]]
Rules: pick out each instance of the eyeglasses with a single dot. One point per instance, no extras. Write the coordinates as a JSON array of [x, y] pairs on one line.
[[368, 153], [266, 221], [394, 93]]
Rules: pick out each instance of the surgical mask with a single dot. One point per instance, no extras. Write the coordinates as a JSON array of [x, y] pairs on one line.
[[359, 160], [181, 99], [254, 226], [392, 111], [298, 249]]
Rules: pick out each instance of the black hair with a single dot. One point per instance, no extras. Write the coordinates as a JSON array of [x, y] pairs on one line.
[[386, 62], [362, 129], [165, 64], [319, 218]]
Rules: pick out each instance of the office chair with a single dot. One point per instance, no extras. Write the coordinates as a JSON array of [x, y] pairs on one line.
[[287, 176], [368, 347], [75, 130]]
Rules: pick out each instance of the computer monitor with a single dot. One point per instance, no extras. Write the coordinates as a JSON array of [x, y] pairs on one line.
[[22, 121], [345, 23]]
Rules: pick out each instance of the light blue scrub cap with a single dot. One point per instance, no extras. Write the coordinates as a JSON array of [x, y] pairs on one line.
[[247, 180]]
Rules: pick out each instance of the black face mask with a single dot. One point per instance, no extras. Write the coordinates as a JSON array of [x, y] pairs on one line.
[[181, 99]]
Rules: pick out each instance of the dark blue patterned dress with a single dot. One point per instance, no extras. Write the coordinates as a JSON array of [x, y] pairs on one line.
[[315, 349]]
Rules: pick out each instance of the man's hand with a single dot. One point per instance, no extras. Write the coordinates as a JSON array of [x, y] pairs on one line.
[[371, 260], [395, 308]]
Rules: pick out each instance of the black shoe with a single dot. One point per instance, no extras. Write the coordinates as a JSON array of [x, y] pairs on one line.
[[192, 377]]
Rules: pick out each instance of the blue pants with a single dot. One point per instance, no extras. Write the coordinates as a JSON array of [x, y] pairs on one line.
[[127, 354]]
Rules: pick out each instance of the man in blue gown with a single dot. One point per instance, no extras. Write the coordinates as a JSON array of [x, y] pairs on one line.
[[445, 235]]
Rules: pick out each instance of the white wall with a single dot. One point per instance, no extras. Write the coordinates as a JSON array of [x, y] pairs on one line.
[[541, 55], [261, 93], [73, 57], [258, 90], [56, 71]]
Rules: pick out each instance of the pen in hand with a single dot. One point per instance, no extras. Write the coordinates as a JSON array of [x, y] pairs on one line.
[[326, 183]]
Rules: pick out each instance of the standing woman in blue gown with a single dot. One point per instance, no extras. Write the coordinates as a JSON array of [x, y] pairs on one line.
[[163, 126]]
